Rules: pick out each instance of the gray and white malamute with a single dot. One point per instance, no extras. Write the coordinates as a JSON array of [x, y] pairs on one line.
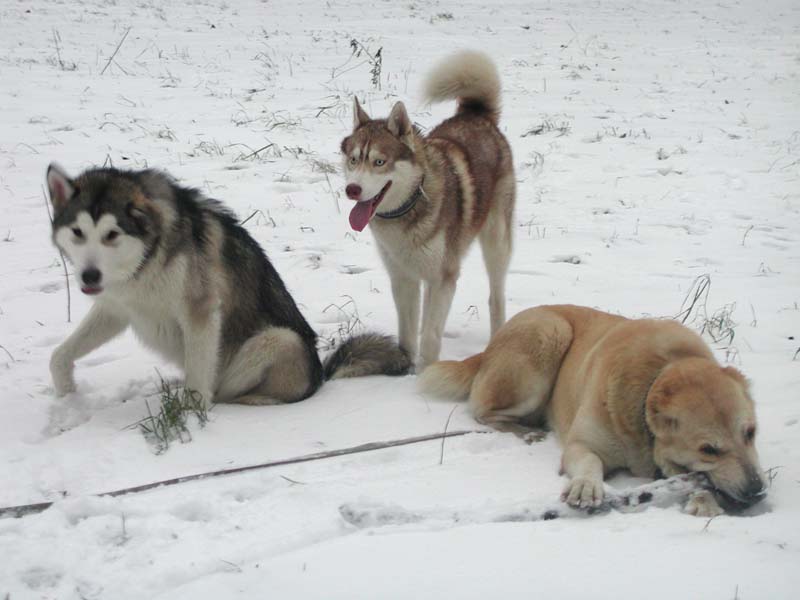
[[426, 198], [193, 285]]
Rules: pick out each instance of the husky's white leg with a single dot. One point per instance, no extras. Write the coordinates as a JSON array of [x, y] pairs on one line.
[[405, 291], [201, 340], [495, 239], [436, 307], [271, 367], [97, 328], [496, 259]]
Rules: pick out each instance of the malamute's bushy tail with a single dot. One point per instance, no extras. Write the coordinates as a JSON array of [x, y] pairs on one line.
[[450, 378], [367, 354], [469, 77]]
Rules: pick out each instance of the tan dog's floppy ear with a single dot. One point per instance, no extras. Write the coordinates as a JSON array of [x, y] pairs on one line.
[[737, 375], [398, 123], [60, 186], [359, 115], [657, 409]]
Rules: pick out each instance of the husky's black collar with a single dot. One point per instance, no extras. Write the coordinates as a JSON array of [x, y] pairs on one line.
[[406, 206]]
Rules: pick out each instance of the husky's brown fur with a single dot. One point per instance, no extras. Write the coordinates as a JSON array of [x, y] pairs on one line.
[[643, 395], [458, 181]]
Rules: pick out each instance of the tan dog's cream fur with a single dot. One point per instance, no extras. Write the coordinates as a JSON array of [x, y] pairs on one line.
[[644, 395]]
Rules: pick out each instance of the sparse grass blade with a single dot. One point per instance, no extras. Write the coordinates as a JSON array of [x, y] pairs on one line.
[[719, 325], [169, 424]]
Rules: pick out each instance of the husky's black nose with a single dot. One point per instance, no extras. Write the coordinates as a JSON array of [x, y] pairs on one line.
[[353, 191], [91, 276]]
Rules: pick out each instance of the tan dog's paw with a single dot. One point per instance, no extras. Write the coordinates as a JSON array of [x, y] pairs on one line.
[[703, 504], [582, 492]]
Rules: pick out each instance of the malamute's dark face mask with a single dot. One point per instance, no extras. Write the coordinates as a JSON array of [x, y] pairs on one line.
[[104, 224]]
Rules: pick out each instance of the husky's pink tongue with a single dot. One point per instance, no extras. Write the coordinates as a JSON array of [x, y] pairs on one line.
[[361, 214]]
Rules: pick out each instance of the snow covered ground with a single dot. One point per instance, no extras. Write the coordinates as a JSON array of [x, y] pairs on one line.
[[654, 142]]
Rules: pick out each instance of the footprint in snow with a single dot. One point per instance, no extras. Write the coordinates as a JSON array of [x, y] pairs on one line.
[[77, 408], [37, 578], [352, 269], [194, 510], [67, 413], [572, 259], [52, 287]]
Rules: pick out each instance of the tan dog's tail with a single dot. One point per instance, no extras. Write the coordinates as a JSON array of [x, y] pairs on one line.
[[469, 77], [450, 378]]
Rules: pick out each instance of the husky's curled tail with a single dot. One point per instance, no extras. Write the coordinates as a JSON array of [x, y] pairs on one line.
[[469, 77]]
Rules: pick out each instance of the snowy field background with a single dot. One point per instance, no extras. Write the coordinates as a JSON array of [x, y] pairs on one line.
[[654, 142]]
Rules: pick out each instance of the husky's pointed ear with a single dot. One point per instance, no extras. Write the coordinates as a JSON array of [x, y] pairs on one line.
[[359, 115], [61, 187], [398, 122]]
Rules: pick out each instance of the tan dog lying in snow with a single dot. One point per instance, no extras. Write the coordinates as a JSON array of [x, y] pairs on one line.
[[644, 395]]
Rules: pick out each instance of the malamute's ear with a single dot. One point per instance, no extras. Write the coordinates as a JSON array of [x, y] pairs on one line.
[[359, 116], [61, 187], [399, 123]]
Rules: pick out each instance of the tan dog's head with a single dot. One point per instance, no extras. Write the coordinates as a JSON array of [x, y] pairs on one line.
[[703, 419]]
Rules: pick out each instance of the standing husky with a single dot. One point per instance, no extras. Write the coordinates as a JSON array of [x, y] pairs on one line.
[[193, 285], [428, 197]]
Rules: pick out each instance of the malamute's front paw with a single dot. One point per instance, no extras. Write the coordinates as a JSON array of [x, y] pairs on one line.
[[583, 492], [62, 371], [199, 398], [703, 504]]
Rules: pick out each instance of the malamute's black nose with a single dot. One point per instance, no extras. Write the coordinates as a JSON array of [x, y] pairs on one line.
[[91, 276], [353, 191]]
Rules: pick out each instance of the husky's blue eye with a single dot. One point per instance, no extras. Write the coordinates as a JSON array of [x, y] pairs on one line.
[[77, 232], [379, 162], [353, 160]]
